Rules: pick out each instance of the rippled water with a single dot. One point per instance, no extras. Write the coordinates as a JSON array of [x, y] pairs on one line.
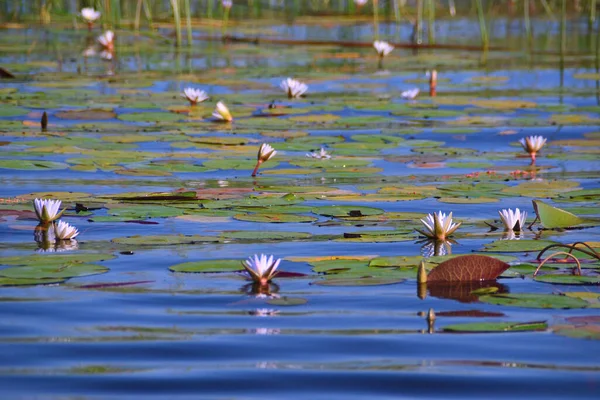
[[141, 331]]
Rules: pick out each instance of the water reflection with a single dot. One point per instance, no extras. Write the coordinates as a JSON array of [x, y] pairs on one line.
[[261, 291], [464, 291], [436, 248], [46, 240]]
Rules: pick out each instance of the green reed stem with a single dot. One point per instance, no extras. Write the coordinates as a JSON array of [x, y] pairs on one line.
[[138, 17], [482, 27], [177, 17], [376, 18], [527, 23], [420, 21], [188, 21], [209, 9], [225, 21], [563, 28], [430, 21], [592, 13], [148, 12], [397, 11], [548, 9]]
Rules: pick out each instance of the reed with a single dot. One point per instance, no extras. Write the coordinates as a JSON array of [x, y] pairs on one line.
[[563, 28], [376, 18], [592, 14], [527, 22], [419, 27], [430, 21], [482, 27], [188, 21], [177, 18]]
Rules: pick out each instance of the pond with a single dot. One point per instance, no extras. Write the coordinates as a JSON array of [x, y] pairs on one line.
[[151, 298]]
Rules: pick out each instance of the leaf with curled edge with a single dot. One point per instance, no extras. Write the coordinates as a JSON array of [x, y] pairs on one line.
[[468, 268]]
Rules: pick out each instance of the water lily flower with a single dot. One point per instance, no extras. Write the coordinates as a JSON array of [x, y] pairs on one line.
[[265, 153], [432, 82], [89, 52], [107, 40], [532, 145], [439, 226], [226, 3], [90, 16], [293, 87], [360, 3], [222, 112], [261, 269], [194, 96], [64, 231], [47, 210], [513, 220], [410, 94], [320, 154], [383, 48]]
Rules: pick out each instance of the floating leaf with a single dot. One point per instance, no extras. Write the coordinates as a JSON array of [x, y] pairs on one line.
[[468, 268], [274, 218], [164, 240], [552, 217], [485, 327], [32, 165], [534, 300], [514, 246], [28, 282], [358, 281], [346, 211], [208, 266], [565, 279], [53, 271], [91, 114], [287, 301], [43, 260]]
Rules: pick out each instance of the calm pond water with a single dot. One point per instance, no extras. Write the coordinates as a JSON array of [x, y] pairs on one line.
[[153, 183]]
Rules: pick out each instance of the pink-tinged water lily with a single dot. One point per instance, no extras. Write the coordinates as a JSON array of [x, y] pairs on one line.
[[438, 226], [64, 231], [532, 145], [222, 112], [265, 153], [107, 40], [89, 14], [410, 94], [293, 87], [194, 96], [261, 269], [360, 3], [227, 3], [383, 48], [513, 220], [322, 154], [47, 210]]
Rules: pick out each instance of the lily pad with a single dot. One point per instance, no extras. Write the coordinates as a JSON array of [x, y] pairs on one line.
[[208, 266], [164, 240], [28, 281], [32, 165], [534, 300], [346, 211], [564, 279], [274, 218], [552, 217], [488, 327], [53, 271], [358, 281], [514, 246]]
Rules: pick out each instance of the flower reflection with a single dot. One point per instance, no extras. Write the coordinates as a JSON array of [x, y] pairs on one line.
[[265, 331], [45, 237], [435, 248], [263, 312], [512, 235], [268, 291]]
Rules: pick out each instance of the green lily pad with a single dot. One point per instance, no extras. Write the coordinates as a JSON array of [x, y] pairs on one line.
[[43, 260], [53, 271], [208, 266], [485, 327], [151, 117], [28, 282], [287, 301], [552, 217], [32, 165], [12, 111], [164, 240], [346, 211], [274, 218], [534, 300], [565, 279], [514, 246], [90, 114], [358, 281], [264, 235]]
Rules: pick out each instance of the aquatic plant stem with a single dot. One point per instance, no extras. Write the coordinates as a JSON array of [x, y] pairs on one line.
[[188, 21], [419, 26], [555, 254], [376, 19], [430, 21], [256, 168], [177, 17], [138, 16], [527, 22], [482, 27], [225, 21]]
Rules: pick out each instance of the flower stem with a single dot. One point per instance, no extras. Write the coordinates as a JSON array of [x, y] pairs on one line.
[[256, 168]]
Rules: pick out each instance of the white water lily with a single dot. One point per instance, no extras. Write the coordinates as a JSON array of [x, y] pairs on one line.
[[513, 220], [194, 96], [64, 231], [322, 154], [293, 87], [107, 40], [261, 269], [532, 145], [89, 14], [410, 94], [383, 48], [47, 210], [360, 3], [265, 153], [222, 112], [226, 3], [439, 226]]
